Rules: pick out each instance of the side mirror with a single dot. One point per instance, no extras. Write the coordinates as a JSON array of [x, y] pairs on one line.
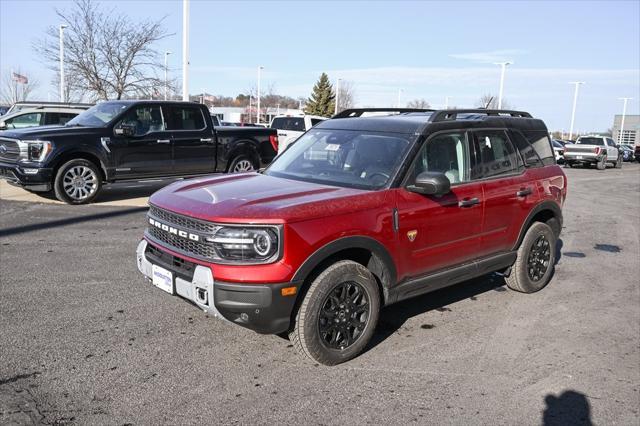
[[3, 125], [431, 183], [125, 129]]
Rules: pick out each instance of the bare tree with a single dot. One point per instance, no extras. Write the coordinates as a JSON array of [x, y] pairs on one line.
[[490, 101], [418, 103], [106, 54], [346, 96], [12, 91]]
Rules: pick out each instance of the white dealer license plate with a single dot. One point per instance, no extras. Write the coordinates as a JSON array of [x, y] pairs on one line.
[[162, 278]]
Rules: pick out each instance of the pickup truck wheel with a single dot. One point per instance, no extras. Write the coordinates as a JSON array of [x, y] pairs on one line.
[[77, 182], [602, 163], [338, 314], [241, 164], [535, 261]]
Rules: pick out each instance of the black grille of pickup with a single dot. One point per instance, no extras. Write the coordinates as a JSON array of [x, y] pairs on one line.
[[9, 149], [187, 223]]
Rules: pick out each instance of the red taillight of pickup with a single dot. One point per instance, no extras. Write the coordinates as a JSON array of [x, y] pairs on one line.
[[596, 150], [274, 142]]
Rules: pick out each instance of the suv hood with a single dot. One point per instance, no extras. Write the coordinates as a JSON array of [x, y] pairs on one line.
[[43, 132], [257, 198]]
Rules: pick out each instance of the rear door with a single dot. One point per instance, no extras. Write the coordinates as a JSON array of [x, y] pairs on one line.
[[194, 144], [509, 192], [146, 153], [438, 232]]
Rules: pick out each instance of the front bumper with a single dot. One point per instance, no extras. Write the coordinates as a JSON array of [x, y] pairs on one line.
[[17, 175], [259, 307]]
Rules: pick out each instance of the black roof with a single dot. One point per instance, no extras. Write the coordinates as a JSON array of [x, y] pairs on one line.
[[411, 121]]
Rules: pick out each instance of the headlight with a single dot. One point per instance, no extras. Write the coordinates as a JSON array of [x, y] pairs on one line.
[[34, 150], [246, 244]]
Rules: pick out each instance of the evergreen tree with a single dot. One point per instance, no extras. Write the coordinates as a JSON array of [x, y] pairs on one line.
[[322, 100]]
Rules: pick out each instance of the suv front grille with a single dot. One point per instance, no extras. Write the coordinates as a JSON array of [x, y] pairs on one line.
[[200, 249], [9, 149], [187, 223]]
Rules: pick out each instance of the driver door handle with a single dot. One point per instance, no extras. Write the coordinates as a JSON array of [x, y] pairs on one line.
[[468, 202], [206, 140], [164, 140]]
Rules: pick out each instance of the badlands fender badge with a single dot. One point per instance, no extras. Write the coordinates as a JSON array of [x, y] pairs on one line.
[[412, 235]]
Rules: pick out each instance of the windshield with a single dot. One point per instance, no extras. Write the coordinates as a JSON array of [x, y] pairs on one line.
[[354, 159], [590, 141], [99, 115]]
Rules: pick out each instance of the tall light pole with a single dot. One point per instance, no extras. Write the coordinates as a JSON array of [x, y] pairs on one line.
[[503, 66], [446, 102], [166, 68], [185, 50], [575, 102], [624, 112], [399, 93], [250, 99], [337, 94], [260, 68], [62, 97]]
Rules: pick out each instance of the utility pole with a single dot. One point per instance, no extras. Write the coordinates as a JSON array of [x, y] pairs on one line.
[[337, 94], [446, 102], [260, 68], [624, 113], [575, 102], [62, 95], [166, 68], [503, 66], [185, 50], [250, 109]]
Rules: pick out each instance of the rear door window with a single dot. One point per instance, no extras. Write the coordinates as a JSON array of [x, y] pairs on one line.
[[185, 118], [498, 156], [57, 118]]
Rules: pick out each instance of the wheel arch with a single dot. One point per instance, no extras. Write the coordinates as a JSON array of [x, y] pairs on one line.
[[73, 155], [243, 147], [363, 250], [547, 212]]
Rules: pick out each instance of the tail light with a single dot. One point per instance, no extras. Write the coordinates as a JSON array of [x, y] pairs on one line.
[[596, 150], [274, 142]]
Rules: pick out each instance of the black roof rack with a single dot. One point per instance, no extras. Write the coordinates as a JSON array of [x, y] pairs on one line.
[[452, 114], [357, 112]]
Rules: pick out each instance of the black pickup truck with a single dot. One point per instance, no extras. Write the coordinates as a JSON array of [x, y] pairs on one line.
[[129, 140]]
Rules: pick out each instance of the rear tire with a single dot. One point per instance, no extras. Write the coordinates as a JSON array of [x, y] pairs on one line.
[[535, 261], [242, 164], [77, 182], [338, 314]]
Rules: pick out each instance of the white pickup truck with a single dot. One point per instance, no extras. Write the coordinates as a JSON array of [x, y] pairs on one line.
[[598, 150], [291, 127]]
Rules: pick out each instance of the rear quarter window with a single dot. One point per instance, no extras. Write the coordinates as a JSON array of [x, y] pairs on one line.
[[541, 144], [528, 153]]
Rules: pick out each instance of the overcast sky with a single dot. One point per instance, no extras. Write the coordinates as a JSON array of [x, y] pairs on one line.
[[429, 50]]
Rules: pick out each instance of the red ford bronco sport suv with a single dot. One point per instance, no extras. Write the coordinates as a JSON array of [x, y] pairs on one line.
[[364, 210]]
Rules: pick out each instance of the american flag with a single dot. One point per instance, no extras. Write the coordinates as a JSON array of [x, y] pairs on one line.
[[19, 78]]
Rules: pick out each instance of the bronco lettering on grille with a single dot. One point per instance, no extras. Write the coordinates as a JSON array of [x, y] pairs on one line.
[[175, 231]]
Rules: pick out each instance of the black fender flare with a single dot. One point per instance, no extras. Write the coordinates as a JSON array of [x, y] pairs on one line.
[[545, 205], [381, 261]]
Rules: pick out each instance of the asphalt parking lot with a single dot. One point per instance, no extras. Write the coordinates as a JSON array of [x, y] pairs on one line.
[[84, 340]]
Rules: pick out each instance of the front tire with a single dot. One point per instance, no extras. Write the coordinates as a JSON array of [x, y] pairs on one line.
[[535, 260], [77, 182], [602, 163], [618, 164], [338, 314]]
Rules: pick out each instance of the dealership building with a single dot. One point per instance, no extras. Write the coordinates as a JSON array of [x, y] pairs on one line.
[[631, 131]]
